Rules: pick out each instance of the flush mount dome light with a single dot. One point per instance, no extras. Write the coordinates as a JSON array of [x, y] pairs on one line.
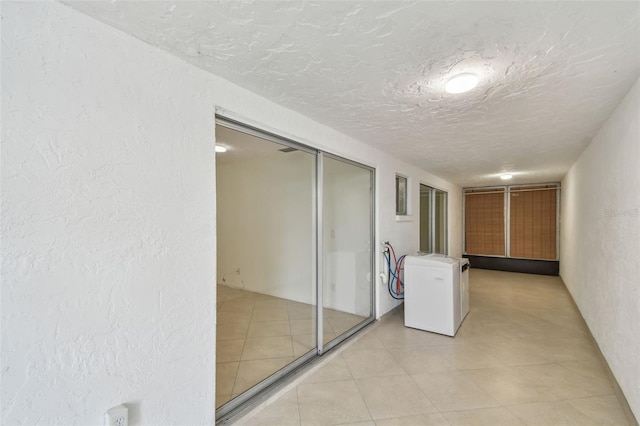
[[506, 176], [461, 83], [220, 148]]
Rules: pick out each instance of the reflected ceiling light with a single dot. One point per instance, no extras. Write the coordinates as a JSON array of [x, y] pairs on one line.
[[220, 148], [506, 176], [461, 83]]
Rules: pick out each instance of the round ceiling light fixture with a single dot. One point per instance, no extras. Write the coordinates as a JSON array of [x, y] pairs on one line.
[[505, 176], [461, 83], [220, 148]]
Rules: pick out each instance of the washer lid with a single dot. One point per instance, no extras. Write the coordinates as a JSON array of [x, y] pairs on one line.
[[431, 259]]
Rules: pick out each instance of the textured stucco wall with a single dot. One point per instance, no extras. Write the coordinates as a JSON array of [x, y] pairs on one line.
[[108, 260], [600, 241], [108, 219]]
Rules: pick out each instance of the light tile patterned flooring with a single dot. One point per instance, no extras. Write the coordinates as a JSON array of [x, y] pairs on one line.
[[258, 334], [521, 357]]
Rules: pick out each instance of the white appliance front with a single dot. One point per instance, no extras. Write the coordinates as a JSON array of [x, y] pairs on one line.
[[464, 288], [432, 299]]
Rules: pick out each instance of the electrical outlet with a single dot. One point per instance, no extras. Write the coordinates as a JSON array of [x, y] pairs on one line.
[[117, 416], [385, 248]]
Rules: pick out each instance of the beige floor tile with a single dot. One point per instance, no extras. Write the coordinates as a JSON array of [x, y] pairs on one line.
[[229, 350], [371, 363], [514, 352], [466, 357], [232, 317], [270, 314], [308, 326], [435, 419], [587, 367], [605, 410], [302, 326], [271, 303], [344, 323], [303, 343], [522, 343], [453, 391], [566, 383], [529, 327], [236, 323], [421, 359], [269, 329], [409, 401], [550, 414], [267, 347], [227, 293], [237, 305], [331, 403], [511, 386], [482, 417], [267, 298], [566, 349], [327, 337], [367, 423], [334, 313], [301, 311], [367, 341], [476, 324], [403, 337], [334, 370], [222, 399], [252, 372], [232, 331], [283, 412], [226, 377]]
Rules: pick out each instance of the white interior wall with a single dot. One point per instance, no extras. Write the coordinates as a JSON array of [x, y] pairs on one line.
[[108, 237], [404, 234], [265, 225], [600, 241]]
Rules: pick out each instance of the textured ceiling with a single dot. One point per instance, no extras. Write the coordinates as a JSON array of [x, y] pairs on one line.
[[551, 72]]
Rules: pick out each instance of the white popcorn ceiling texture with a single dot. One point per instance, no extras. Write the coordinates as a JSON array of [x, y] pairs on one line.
[[551, 72]]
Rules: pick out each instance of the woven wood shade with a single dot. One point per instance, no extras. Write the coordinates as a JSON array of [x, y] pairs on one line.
[[532, 230], [484, 222]]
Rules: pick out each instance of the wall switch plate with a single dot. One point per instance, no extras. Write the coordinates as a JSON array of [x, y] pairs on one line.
[[117, 416]]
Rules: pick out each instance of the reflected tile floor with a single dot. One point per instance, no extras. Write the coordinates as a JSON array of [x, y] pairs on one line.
[[258, 334], [522, 357]]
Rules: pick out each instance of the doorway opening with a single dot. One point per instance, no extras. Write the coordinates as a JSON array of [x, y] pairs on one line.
[[295, 257], [433, 220]]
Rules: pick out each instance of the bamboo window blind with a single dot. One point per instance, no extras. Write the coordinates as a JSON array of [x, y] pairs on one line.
[[484, 222], [532, 222], [529, 224]]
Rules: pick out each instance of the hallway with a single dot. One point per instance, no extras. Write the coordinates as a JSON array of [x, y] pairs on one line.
[[522, 356]]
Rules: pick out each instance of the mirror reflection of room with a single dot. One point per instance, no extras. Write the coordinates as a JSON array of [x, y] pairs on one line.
[[266, 261]]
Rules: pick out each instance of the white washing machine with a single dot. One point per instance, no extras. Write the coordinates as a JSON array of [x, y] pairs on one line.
[[436, 293]]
